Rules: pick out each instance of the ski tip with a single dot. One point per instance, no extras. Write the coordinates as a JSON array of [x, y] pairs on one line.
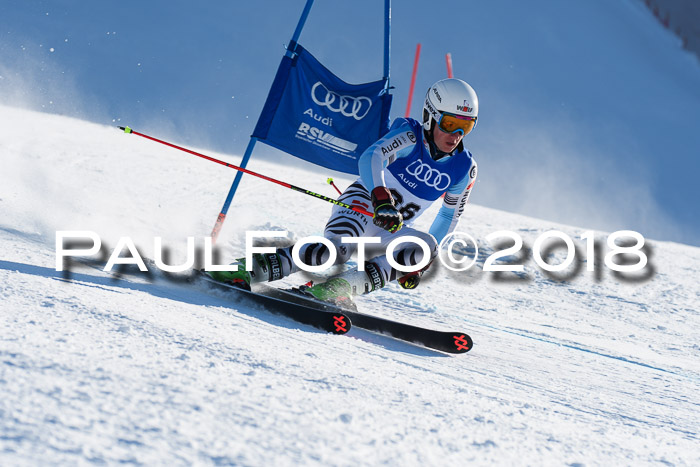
[[462, 343], [126, 129], [341, 324]]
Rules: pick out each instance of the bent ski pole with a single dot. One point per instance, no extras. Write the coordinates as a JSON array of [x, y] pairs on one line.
[[250, 172]]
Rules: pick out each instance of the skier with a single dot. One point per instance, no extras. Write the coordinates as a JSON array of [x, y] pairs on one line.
[[401, 175]]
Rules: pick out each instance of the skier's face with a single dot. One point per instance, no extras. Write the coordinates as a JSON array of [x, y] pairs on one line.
[[446, 142]]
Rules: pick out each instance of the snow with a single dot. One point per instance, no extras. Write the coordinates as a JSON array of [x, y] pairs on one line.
[[593, 370]]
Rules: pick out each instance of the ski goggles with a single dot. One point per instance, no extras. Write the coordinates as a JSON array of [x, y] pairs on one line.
[[450, 123]]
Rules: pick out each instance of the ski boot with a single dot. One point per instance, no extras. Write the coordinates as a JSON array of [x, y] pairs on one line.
[[334, 290], [266, 267], [238, 278], [340, 289]]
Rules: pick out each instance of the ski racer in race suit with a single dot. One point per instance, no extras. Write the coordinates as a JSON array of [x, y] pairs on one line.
[[401, 175]]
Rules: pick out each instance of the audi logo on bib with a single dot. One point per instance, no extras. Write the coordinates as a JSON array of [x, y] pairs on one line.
[[431, 177], [349, 106]]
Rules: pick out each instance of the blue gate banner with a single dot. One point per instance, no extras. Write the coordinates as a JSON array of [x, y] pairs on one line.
[[314, 115]]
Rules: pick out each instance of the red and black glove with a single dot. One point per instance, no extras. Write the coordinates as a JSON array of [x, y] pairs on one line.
[[386, 215], [412, 279]]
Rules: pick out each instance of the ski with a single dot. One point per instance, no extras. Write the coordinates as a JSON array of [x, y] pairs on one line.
[[326, 317], [338, 319], [445, 341]]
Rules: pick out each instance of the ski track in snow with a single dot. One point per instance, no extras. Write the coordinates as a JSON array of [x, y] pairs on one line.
[[128, 370]]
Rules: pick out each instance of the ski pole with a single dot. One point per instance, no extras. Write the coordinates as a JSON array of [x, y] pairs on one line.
[[250, 172], [332, 183]]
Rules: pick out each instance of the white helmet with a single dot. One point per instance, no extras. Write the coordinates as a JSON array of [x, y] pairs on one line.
[[452, 96]]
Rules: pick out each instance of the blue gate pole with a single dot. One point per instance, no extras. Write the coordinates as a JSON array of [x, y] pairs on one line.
[[387, 40], [251, 144]]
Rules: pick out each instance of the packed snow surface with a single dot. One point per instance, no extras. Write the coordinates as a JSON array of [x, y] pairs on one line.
[[596, 369]]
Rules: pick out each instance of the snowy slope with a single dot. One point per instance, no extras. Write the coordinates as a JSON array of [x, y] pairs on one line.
[[589, 371]]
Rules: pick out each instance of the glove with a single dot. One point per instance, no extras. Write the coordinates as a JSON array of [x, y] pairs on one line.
[[412, 279], [386, 215]]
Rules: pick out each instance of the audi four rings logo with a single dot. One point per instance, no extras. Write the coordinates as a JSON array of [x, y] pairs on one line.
[[431, 177], [355, 107]]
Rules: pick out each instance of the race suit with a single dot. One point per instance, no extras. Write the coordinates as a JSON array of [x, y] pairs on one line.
[[401, 162]]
